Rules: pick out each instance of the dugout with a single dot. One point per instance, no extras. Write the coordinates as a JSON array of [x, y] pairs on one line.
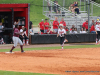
[[9, 13]]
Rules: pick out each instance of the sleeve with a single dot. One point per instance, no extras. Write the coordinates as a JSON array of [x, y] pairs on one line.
[[21, 30], [83, 25]]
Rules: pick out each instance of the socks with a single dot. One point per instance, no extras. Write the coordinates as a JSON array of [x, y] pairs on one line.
[[12, 49], [62, 47], [23, 41], [27, 41], [21, 46], [96, 41]]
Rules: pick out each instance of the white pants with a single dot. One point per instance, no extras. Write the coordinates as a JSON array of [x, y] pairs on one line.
[[16, 40]]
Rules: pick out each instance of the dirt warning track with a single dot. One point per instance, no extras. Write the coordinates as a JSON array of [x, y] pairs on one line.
[[82, 61]]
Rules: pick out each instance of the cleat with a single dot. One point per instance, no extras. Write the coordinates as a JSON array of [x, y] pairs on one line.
[[27, 44], [22, 51]]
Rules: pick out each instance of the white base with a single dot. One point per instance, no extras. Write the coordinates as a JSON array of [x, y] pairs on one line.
[[9, 52]]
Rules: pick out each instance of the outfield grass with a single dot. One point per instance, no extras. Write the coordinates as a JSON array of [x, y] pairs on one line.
[[20, 73], [51, 48]]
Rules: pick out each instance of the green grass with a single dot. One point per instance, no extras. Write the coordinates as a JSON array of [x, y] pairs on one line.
[[20, 73], [35, 11], [51, 48]]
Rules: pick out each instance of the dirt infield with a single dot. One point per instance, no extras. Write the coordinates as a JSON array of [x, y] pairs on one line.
[[54, 61]]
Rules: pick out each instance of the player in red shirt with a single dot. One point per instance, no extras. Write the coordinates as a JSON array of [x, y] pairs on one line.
[[55, 25], [46, 25], [63, 22], [41, 25], [49, 31], [92, 30], [85, 25], [16, 39]]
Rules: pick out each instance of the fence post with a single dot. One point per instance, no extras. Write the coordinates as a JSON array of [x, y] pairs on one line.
[[88, 14], [80, 5]]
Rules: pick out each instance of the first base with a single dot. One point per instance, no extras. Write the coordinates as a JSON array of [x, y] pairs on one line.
[[9, 52]]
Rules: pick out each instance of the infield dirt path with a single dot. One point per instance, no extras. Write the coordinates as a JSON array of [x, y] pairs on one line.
[[53, 61]]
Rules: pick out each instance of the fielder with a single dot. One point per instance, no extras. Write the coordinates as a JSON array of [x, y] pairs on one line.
[[16, 39], [62, 33]]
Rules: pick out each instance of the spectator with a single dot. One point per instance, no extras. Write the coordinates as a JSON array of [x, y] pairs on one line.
[[41, 26], [76, 9], [58, 7], [84, 30], [1, 31], [76, 3], [85, 25], [66, 28], [72, 27], [49, 31], [93, 23], [55, 7], [72, 31], [75, 30], [71, 7], [31, 30], [30, 24], [97, 20], [92, 30], [1, 40], [46, 25], [63, 22], [49, 6], [55, 25]]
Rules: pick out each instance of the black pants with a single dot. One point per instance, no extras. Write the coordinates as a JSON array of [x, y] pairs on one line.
[[42, 31], [98, 35], [21, 37], [1, 34], [62, 40]]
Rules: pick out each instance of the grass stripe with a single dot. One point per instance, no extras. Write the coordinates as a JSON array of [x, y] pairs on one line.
[[51, 48]]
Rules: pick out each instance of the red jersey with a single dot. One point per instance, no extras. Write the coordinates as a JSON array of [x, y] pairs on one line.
[[49, 32], [85, 25], [63, 22], [16, 31], [46, 24], [41, 25], [55, 24], [66, 29], [92, 28]]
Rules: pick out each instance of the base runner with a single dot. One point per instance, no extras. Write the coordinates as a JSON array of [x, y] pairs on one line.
[[16, 39], [97, 29], [62, 33]]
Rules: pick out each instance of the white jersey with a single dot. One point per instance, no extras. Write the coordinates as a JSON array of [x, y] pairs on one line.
[[21, 30], [61, 32], [97, 27]]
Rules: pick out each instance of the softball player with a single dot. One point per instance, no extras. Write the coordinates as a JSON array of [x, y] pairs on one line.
[[62, 33], [97, 28], [16, 39]]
